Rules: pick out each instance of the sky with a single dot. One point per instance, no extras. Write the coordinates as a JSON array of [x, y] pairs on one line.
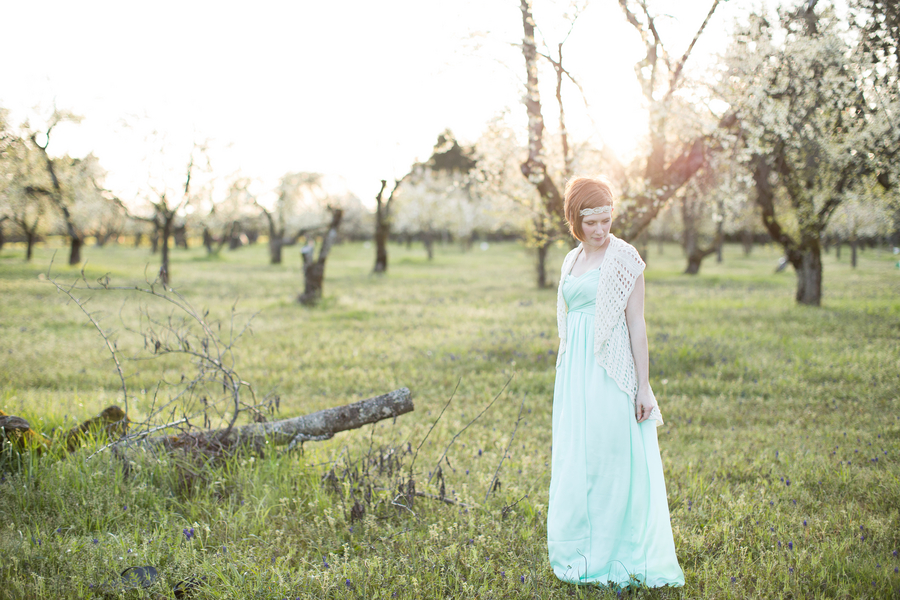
[[357, 90]]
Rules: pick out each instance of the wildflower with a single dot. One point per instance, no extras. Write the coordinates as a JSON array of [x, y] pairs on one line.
[[59, 530], [787, 482], [804, 522], [503, 574], [733, 580], [895, 554], [779, 543], [479, 452], [125, 507], [467, 471], [95, 541], [790, 545], [522, 578], [791, 570], [349, 584]]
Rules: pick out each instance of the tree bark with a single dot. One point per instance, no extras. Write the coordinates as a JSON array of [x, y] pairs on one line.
[[2, 238], [809, 277], [320, 425], [747, 241], [76, 237], [180, 234], [428, 240], [29, 244], [75, 244], [853, 246], [275, 246], [382, 228], [806, 255], [534, 169], [542, 251], [314, 270], [164, 247]]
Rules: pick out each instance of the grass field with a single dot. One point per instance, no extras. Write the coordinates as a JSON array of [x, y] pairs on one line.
[[781, 445]]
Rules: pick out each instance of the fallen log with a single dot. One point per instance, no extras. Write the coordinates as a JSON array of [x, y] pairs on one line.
[[318, 426]]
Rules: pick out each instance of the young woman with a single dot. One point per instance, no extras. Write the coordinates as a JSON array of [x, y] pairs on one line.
[[608, 518]]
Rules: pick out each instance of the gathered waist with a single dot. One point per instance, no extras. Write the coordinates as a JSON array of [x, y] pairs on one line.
[[588, 309]]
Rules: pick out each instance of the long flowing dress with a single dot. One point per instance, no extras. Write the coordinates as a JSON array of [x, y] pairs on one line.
[[608, 517]]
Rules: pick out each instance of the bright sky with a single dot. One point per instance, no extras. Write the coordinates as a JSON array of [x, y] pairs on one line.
[[356, 89]]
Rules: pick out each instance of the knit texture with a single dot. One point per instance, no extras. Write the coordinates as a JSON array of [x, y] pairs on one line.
[[622, 265]]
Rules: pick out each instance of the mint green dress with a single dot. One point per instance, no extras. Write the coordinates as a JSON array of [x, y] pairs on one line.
[[608, 518]]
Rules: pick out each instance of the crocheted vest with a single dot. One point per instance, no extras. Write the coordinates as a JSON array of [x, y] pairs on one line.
[[621, 267]]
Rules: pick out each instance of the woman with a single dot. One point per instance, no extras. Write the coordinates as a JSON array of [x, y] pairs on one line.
[[608, 518]]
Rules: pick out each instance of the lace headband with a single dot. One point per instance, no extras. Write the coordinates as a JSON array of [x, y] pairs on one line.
[[596, 211]]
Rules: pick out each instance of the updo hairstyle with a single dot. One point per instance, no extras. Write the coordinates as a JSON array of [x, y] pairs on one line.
[[581, 193]]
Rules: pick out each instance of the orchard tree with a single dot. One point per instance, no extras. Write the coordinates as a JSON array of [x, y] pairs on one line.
[[23, 199], [858, 219], [222, 215], [815, 130], [296, 211], [665, 171], [437, 197], [672, 160], [77, 186]]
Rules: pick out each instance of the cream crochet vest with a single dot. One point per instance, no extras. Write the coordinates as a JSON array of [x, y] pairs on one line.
[[621, 267]]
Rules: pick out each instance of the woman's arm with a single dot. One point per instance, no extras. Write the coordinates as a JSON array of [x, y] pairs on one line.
[[637, 331]]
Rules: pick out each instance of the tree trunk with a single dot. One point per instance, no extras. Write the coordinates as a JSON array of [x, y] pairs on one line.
[[75, 243], [275, 246], [138, 238], [541, 266], [2, 239], [382, 230], [154, 240], [809, 276], [853, 245], [695, 258], [747, 241], [428, 240], [208, 241], [234, 236], [29, 244], [720, 237], [837, 249], [164, 247], [314, 270], [180, 234]]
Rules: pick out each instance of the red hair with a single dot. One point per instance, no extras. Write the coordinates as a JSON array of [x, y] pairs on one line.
[[581, 193]]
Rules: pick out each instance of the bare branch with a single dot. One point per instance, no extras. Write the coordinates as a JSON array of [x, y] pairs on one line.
[[673, 79]]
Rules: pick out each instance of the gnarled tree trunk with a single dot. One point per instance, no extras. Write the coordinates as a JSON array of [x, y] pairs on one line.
[[314, 269]]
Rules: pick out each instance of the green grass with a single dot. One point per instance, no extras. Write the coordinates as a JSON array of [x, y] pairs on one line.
[[756, 392]]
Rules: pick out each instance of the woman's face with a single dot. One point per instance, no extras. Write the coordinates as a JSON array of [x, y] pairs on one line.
[[596, 228]]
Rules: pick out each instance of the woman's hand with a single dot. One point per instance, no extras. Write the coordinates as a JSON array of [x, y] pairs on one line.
[[644, 403]]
